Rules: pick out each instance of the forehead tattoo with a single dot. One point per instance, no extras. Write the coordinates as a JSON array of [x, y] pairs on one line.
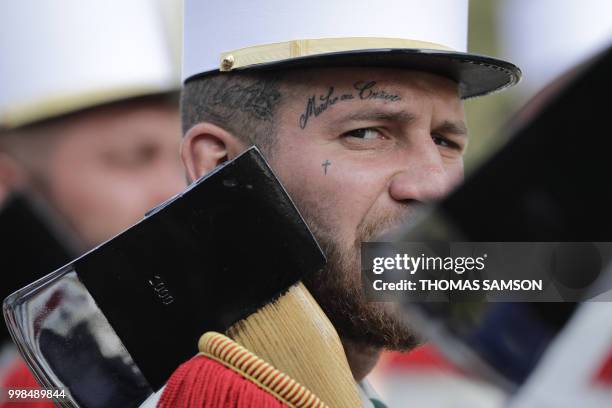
[[258, 98], [362, 90]]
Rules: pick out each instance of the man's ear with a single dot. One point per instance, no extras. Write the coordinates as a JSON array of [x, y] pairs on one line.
[[205, 146]]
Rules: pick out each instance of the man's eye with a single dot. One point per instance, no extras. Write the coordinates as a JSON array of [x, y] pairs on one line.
[[364, 133], [442, 141], [132, 158]]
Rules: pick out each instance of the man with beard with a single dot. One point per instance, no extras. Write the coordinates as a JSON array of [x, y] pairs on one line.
[[361, 124]]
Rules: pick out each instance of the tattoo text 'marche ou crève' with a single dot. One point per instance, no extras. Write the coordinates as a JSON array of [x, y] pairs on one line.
[[366, 90]]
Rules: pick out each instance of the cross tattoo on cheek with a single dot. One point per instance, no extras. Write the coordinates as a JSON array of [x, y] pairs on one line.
[[326, 164]]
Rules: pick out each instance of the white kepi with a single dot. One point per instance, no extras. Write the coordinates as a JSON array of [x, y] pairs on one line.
[[60, 56], [431, 35]]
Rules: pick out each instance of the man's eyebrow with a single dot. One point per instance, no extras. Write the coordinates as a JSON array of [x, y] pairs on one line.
[[455, 128], [394, 116]]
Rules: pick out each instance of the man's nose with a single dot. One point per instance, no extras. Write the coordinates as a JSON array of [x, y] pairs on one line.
[[423, 176]]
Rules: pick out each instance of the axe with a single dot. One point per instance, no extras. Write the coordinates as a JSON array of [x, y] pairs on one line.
[[28, 226], [225, 255]]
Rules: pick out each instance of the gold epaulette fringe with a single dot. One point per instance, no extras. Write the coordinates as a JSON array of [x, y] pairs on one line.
[[235, 357]]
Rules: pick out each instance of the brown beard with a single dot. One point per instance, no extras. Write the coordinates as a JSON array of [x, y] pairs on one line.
[[337, 289]]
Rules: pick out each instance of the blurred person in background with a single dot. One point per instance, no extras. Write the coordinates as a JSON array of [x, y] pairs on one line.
[[88, 123], [101, 168]]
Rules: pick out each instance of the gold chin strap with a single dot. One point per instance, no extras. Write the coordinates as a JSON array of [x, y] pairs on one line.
[[224, 350], [261, 54]]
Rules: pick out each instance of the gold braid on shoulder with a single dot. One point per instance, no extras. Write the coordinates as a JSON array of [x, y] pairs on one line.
[[232, 355]]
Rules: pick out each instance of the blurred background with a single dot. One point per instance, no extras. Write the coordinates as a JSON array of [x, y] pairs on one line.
[[545, 38]]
